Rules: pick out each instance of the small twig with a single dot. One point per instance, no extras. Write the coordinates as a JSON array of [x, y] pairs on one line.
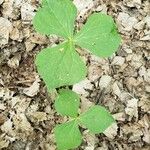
[[100, 96], [24, 81]]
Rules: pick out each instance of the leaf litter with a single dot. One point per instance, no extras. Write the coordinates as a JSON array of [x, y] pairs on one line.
[[26, 109]]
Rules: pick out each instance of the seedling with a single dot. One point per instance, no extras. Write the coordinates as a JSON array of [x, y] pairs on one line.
[[68, 135], [62, 66]]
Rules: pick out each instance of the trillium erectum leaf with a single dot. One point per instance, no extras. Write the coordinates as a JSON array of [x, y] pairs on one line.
[[97, 119], [99, 35], [67, 135], [60, 65], [67, 103], [56, 17]]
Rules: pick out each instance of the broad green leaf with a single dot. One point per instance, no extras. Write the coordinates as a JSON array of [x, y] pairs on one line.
[[99, 35], [67, 135], [67, 103], [56, 17], [60, 65], [97, 119]]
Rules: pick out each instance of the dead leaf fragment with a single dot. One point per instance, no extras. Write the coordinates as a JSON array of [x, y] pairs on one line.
[[33, 89], [132, 108], [38, 116], [91, 140], [119, 116], [126, 21], [3, 143], [105, 81], [94, 72], [22, 126], [27, 12], [134, 131], [116, 89], [14, 61], [118, 60], [82, 4], [82, 86], [139, 25], [37, 38], [1, 1], [29, 46], [14, 34], [147, 20], [2, 119], [111, 131], [145, 38], [85, 104], [144, 103], [7, 127], [5, 29], [2, 106], [133, 3]]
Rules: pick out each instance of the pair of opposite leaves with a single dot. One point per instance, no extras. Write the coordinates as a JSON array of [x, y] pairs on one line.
[[62, 65], [97, 119]]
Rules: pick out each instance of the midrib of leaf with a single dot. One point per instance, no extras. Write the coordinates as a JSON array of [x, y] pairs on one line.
[[60, 60], [52, 11], [68, 22], [75, 123], [68, 47]]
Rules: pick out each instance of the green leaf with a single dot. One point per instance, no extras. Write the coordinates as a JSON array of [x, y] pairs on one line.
[[67, 103], [56, 17], [67, 135], [97, 119], [99, 35], [60, 65]]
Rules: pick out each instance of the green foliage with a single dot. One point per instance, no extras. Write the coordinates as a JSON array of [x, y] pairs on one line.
[[56, 17], [99, 35], [67, 103], [68, 135], [97, 119], [61, 65]]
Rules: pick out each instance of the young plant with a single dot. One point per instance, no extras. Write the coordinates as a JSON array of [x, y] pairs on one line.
[[68, 135], [62, 65]]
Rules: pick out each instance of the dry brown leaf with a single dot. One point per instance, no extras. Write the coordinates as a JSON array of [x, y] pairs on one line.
[[82, 86], [111, 131], [33, 89], [1, 1], [22, 126], [105, 81], [5, 29], [27, 12], [118, 60], [85, 104], [126, 21], [14, 61], [91, 140], [3, 143], [132, 108], [38, 116]]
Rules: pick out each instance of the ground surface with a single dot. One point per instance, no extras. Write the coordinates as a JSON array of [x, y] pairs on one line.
[[120, 83]]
